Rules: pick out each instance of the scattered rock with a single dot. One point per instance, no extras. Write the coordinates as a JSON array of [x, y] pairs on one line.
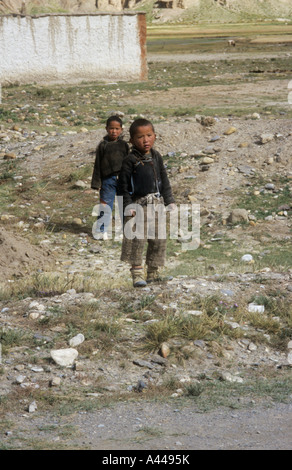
[[141, 385], [20, 379], [252, 347], [10, 156], [55, 382], [32, 407], [207, 160], [207, 121], [204, 167], [200, 343], [254, 308], [209, 191], [77, 340], [230, 131], [159, 360], [164, 350], [37, 369], [80, 184], [215, 138], [77, 221], [246, 170], [233, 324], [34, 315], [36, 305], [247, 258], [243, 145], [227, 376], [238, 215], [64, 357], [142, 363], [196, 313], [264, 138]]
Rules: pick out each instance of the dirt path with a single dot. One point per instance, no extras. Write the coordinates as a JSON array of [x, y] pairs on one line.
[[219, 96], [191, 57], [167, 427]]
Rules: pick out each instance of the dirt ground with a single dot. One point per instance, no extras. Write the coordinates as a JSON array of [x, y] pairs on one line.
[[177, 425], [167, 428]]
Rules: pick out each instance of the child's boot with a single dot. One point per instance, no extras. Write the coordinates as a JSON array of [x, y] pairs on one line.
[[152, 275], [138, 277]]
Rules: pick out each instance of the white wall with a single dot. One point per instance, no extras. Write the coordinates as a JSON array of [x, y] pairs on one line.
[[72, 48]]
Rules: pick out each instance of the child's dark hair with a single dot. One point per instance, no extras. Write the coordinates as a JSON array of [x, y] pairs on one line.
[[140, 122], [115, 119]]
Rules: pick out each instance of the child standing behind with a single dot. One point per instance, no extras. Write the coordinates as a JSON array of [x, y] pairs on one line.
[[143, 181], [109, 157]]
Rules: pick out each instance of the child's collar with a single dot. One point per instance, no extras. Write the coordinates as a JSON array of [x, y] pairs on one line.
[[106, 138], [147, 156]]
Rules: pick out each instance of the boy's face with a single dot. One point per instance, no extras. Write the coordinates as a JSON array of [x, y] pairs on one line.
[[144, 139], [114, 130]]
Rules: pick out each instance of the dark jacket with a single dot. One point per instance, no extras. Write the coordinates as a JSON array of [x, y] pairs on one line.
[[139, 177], [108, 160]]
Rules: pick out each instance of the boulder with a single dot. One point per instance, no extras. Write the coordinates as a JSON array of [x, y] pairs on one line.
[[238, 215], [64, 357]]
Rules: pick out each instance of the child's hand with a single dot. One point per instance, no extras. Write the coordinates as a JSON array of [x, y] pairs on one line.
[[171, 207], [130, 213]]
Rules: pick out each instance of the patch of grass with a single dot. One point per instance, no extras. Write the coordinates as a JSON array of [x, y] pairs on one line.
[[262, 322], [44, 92], [277, 319], [10, 338], [79, 174], [275, 304], [8, 171], [49, 284], [150, 431], [267, 202], [208, 326], [216, 393], [193, 389]]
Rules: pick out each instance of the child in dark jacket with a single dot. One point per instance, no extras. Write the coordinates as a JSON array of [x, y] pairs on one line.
[[110, 153], [144, 185]]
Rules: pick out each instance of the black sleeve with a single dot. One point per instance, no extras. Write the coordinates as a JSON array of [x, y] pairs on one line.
[[124, 182], [166, 190], [96, 177]]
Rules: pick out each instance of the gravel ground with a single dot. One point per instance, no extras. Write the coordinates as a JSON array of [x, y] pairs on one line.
[[167, 427], [144, 425]]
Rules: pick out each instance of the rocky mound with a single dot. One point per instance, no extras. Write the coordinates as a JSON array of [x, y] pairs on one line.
[[18, 256]]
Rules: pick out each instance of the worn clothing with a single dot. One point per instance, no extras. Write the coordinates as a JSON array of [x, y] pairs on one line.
[[107, 197], [108, 160], [140, 176], [142, 230], [144, 185]]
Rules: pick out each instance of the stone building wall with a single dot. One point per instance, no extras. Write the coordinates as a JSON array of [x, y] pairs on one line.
[[73, 48]]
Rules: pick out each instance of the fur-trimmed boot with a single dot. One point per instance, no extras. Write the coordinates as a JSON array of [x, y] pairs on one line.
[[154, 276], [138, 277]]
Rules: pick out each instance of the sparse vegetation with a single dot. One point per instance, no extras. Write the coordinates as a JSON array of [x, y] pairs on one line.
[[203, 314]]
